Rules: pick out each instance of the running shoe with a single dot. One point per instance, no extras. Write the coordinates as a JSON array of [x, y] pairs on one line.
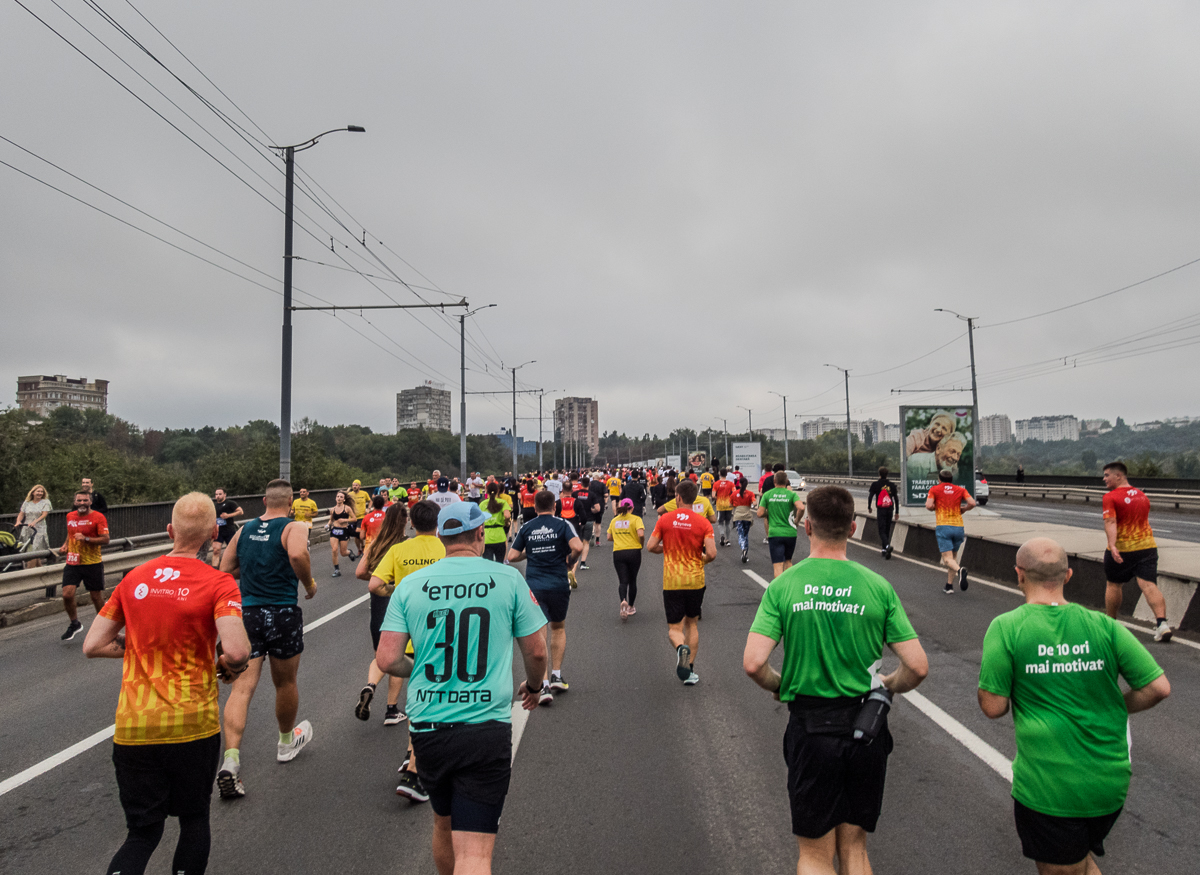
[[632, 610], [410, 786], [949, 590], [72, 630], [1162, 632], [393, 716], [691, 680], [229, 784], [557, 684], [301, 736], [745, 556], [547, 697], [404, 765], [683, 655], [597, 540], [962, 579], [353, 556], [571, 577], [766, 541], [624, 609], [583, 566], [337, 572], [363, 709]]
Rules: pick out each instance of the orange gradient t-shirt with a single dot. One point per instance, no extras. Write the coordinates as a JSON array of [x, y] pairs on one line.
[[89, 525], [947, 499], [371, 525], [1131, 509], [683, 532], [169, 682]]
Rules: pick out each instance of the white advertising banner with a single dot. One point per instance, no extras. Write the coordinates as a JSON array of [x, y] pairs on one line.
[[673, 462], [748, 457]]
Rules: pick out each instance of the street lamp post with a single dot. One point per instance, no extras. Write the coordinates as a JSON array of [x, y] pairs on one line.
[[749, 421], [285, 393], [786, 460], [514, 399], [970, 320], [849, 443], [462, 371]]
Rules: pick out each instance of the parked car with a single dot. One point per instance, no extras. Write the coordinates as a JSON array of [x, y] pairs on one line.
[[981, 488], [795, 481]]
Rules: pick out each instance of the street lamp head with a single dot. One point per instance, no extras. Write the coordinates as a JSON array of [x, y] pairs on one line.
[[356, 129]]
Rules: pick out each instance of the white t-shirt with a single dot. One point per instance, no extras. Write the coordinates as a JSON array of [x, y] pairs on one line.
[[554, 485], [443, 499], [475, 487]]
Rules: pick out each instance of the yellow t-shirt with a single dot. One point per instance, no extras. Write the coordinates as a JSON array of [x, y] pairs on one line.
[[361, 500], [701, 506], [706, 480], [624, 530], [614, 486], [404, 558], [304, 509]]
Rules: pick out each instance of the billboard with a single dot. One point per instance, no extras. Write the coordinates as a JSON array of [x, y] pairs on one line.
[[935, 438], [698, 460], [748, 457], [673, 462]]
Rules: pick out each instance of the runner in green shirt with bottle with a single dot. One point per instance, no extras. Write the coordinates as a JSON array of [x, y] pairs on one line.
[[1057, 664], [783, 510]]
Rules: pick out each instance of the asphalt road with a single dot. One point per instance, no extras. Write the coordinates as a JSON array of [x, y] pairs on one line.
[[628, 772]]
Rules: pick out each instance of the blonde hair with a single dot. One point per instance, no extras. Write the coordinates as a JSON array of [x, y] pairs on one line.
[[945, 414], [36, 487], [193, 518]]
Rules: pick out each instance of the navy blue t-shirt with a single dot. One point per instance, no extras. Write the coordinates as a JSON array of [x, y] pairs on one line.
[[546, 542]]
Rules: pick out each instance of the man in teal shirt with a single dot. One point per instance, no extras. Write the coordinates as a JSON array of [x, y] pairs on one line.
[[834, 617], [463, 614], [783, 511], [1058, 664]]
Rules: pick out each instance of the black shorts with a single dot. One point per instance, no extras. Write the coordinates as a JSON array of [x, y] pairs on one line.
[[680, 603], [554, 603], [584, 529], [495, 552], [782, 549], [1142, 564], [707, 493], [466, 769], [91, 576], [226, 532], [528, 513], [1061, 841], [157, 781], [379, 606], [832, 778], [724, 516], [274, 630], [342, 534]]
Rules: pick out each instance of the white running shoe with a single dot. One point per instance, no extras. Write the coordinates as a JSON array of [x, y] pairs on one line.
[[692, 680], [229, 782], [301, 736], [1162, 632]]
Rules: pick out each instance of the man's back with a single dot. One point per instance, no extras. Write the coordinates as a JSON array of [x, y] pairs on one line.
[[265, 573], [780, 503], [947, 499], [683, 532], [545, 539], [1131, 509]]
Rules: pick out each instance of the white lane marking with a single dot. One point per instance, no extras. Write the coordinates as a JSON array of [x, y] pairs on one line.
[[57, 760], [519, 718], [756, 578], [1134, 627], [104, 734], [1001, 764]]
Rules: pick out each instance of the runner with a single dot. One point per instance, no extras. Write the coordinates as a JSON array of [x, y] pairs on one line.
[[168, 730], [1058, 665], [384, 489], [341, 515], [742, 500], [783, 510], [87, 532], [597, 495], [627, 532], [554, 485], [411, 495], [706, 484], [722, 491], [461, 719], [614, 494], [371, 524], [588, 510], [442, 495], [304, 510], [269, 556], [700, 505], [551, 546], [475, 487], [528, 496], [358, 497], [832, 649], [685, 538], [1132, 551], [887, 502], [227, 511], [495, 528], [947, 498], [635, 491]]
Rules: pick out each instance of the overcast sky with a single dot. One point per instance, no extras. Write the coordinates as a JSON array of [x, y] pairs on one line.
[[677, 207]]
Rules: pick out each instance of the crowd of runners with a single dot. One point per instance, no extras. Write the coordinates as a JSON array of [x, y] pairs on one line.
[[448, 604]]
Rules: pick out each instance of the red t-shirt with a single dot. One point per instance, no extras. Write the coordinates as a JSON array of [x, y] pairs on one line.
[[527, 497], [762, 481], [947, 500], [683, 532], [92, 525], [1131, 509], [722, 489], [744, 500], [567, 502], [169, 682], [371, 525]]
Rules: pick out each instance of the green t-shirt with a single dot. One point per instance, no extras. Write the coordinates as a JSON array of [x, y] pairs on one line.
[[834, 617], [493, 527], [1059, 666], [462, 614], [780, 503]]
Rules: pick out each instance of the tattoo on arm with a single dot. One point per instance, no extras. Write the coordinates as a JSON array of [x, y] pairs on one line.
[[202, 553]]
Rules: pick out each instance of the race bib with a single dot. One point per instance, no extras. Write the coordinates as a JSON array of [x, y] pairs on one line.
[[620, 524], [221, 522]]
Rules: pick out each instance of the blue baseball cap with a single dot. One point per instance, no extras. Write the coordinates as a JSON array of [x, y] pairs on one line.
[[459, 517]]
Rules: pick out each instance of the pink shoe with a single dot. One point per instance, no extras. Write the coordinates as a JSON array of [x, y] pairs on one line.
[[624, 610], [630, 611]]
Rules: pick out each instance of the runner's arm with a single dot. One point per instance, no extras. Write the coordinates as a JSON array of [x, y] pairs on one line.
[[515, 555], [362, 572], [237, 512], [754, 662], [235, 645], [102, 640], [930, 504], [533, 654], [576, 547], [992, 705], [1147, 696], [389, 656], [710, 549], [298, 558], [762, 512], [641, 536], [1110, 534], [971, 502], [654, 545], [229, 559], [913, 667]]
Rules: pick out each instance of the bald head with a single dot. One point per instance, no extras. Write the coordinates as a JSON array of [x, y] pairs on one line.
[[193, 519], [1043, 562]]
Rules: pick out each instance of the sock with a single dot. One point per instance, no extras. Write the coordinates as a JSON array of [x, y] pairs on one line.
[[556, 675], [1161, 620], [233, 755], [371, 685], [285, 738]]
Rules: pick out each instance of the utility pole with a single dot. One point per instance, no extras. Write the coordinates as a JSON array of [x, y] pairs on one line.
[[749, 421], [786, 461], [849, 444], [462, 408], [970, 320]]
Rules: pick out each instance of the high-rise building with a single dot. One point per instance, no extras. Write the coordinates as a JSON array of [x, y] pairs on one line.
[[42, 394], [891, 432], [524, 447], [861, 429], [577, 423], [995, 429], [776, 434], [426, 406], [1048, 428]]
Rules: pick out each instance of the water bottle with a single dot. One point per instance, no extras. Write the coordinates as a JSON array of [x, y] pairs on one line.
[[872, 714]]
